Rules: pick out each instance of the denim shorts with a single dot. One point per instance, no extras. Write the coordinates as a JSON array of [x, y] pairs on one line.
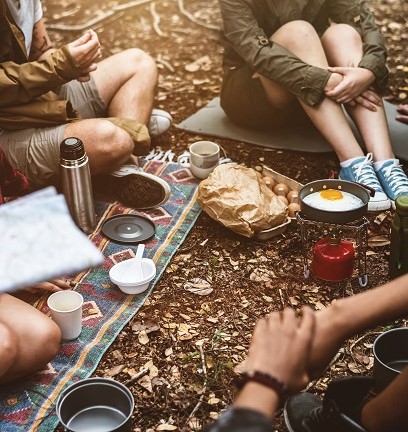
[[35, 151]]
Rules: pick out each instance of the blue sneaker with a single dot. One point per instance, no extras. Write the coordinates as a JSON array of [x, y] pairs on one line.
[[362, 171], [393, 179]]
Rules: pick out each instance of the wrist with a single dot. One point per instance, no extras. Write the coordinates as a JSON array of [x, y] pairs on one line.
[[257, 397], [265, 380]]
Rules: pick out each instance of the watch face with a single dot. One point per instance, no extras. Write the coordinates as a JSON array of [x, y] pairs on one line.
[[128, 228]]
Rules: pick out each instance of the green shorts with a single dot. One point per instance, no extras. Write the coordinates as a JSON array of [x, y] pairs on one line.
[[35, 152], [245, 103]]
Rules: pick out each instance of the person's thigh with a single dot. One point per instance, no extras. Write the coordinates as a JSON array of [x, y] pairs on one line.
[[244, 100], [343, 45], [34, 152], [84, 97], [112, 72], [37, 337]]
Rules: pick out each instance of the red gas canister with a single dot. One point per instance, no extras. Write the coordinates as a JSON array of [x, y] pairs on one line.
[[333, 259]]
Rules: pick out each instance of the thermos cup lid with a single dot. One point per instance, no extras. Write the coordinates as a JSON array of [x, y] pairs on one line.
[[72, 149]]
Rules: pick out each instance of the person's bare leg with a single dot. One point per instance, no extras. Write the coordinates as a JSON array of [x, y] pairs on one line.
[[300, 38], [126, 82], [371, 124], [36, 337], [388, 411], [345, 317], [107, 146]]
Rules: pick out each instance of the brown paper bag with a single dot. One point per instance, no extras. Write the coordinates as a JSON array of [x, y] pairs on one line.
[[237, 197]]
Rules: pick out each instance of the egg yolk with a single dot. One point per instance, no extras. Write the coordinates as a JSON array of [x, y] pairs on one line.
[[331, 194]]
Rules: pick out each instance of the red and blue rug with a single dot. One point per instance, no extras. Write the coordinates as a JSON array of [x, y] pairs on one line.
[[28, 405]]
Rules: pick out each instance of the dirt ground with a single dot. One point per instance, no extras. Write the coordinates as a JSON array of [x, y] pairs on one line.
[[191, 343]]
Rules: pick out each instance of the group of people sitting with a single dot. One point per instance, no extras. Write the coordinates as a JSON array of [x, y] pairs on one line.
[[282, 59]]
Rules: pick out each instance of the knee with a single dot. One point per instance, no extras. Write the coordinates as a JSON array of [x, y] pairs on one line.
[[342, 32], [8, 348], [296, 33], [141, 62], [111, 142], [48, 336]]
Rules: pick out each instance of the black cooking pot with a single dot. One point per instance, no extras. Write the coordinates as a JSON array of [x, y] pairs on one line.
[[101, 404], [337, 217], [390, 351]]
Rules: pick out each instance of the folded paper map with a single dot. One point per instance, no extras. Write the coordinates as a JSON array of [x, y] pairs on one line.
[[40, 241]]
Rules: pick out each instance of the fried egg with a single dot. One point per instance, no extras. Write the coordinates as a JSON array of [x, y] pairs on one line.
[[333, 200]]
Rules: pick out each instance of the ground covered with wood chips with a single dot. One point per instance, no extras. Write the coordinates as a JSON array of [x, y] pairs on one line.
[[192, 342]]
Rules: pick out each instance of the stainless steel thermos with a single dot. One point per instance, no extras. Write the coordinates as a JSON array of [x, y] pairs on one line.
[[76, 183]]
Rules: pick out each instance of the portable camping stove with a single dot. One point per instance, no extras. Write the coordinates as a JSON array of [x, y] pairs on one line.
[[356, 231]]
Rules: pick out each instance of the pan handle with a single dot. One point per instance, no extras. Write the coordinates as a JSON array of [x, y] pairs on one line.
[[369, 188]]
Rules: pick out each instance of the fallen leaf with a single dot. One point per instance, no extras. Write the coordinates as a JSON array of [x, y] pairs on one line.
[[166, 427], [143, 338], [378, 241], [198, 286], [115, 370]]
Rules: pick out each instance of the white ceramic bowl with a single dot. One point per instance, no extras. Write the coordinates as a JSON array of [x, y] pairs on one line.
[[128, 286]]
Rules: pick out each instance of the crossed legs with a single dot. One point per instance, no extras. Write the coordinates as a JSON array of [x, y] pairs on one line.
[[126, 82]]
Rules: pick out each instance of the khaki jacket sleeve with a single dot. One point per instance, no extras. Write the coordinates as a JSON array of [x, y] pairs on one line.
[[270, 59], [357, 14], [21, 83]]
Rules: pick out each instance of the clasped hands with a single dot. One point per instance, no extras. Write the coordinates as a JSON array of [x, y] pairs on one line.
[[352, 86]]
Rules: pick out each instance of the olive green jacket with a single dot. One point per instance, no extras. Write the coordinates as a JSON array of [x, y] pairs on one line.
[[27, 89], [248, 25]]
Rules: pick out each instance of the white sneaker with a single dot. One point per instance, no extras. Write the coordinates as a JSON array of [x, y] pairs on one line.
[[160, 121], [137, 189]]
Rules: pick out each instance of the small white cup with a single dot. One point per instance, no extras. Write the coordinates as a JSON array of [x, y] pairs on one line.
[[204, 157], [66, 311]]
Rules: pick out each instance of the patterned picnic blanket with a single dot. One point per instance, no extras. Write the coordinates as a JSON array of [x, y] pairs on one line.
[[29, 405]]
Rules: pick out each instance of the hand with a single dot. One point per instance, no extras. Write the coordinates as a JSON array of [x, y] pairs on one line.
[[368, 99], [355, 81], [403, 110], [334, 80], [52, 286], [280, 347], [85, 52]]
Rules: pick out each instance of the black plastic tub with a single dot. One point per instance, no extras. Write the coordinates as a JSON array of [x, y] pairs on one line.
[[390, 356], [335, 217], [96, 405]]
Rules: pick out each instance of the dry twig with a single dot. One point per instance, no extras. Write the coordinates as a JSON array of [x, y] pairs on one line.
[[193, 18], [97, 20], [156, 19], [200, 401]]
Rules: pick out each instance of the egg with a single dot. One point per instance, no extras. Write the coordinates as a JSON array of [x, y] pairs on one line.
[[283, 199], [333, 200], [281, 189], [293, 208], [293, 196], [269, 181]]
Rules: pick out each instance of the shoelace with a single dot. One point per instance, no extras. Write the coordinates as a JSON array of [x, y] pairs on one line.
[[396, 177], [365, 173]]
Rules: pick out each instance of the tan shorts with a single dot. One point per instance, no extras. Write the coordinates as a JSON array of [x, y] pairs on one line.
[[35, 152]]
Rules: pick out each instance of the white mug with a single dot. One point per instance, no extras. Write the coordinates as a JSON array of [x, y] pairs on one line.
[[66, 311], [204, 157]]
